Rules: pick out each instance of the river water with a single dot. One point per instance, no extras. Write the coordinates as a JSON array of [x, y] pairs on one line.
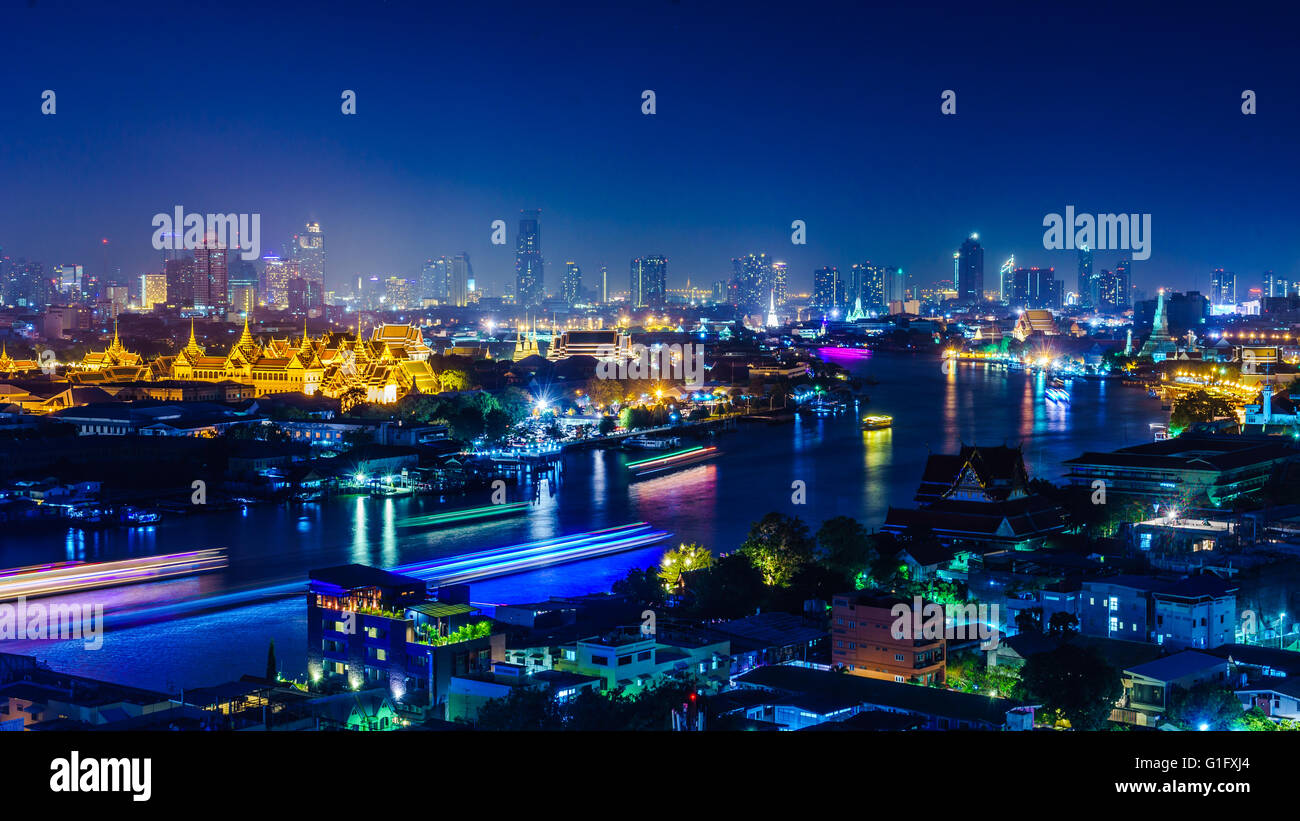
[[845, 471]]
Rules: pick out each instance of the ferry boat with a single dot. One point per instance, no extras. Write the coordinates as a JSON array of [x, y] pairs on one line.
[[69, 577], [672, 461], [877, 422], [1057, 395], [650, 443]]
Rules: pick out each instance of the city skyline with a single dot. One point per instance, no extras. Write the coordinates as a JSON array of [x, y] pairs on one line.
[[391, 192]]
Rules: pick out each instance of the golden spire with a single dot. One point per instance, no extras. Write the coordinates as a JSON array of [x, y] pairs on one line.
[[193, 342], [117, 344], [246, 338]]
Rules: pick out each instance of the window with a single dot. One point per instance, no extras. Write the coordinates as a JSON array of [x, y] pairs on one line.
[[624, 661], [898, 657], [600, 661]]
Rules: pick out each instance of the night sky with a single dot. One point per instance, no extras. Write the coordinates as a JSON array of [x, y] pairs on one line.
[[766, 114]]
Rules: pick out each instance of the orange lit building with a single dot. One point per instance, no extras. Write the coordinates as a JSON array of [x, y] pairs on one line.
[[863, 641]]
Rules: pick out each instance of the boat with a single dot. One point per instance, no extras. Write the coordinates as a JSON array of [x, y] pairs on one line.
[[69, 577], [1057, 395], [672, 461], [455, 517], [877, 422], [650, 443]]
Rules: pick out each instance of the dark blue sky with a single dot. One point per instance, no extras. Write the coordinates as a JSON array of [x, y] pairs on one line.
[[826, 113]]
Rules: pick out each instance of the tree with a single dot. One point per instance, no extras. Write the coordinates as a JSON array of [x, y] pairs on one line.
[[1199, 406], [684, 559], [845, 547], [1062, 623], [778, 545], [1076, 683], [524, 709], [1030, 620], [731, 588], [1205, 706], [641, 586]]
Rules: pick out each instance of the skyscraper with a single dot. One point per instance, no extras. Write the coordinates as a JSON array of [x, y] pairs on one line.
[[780, 283], [530, 273], [1006, 291], [211, 276], [1123, 284], [970, 271], [462, 273], [180, 281], [435, 279], [648, 284], [604, 284], [1223, 287], [828, 289], [153, 290], [752, 274], [1276, 285], [309, 253], [572, 284], [1087, 289]]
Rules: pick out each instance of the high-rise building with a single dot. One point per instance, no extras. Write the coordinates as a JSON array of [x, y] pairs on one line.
[[211, 276], [572, 284], [1006, 284], [1087, 288], [530, 271], [309, 252], [153, 290], [1223, 287], [604, 284], [970, 271], [180, 281], [462, 275], [435, 279], [1123, 285], [868, 283], [276, 273], [648, 284], [828, 289], [780, 283], [1276, 285], [398, 293], [753, 277]]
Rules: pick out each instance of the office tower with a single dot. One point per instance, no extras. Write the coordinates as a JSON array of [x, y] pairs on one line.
[[868, 283], [398, 293], [1005, 286], [719, 292], [243, 280], [895, 284], [309, 253], [72, 281], [780, 283], [1016, 288], [970, 271], [1223, 287], [180, 281], [648, 285], [530, 269], [1087, 288], [435, 279], [1041, 288], [828, 289], [211, 276], [1276, 285], [1123, 285], [276, 273], [462, 273], [297, 295], [571, 286], [752, 275], [604, 284]]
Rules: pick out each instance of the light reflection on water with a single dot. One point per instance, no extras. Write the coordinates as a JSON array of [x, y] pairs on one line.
[[846, 471]]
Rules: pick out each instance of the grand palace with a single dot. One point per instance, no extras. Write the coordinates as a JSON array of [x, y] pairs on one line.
[[393, 362]]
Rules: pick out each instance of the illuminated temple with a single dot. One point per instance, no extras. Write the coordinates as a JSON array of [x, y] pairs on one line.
[[382, 369]]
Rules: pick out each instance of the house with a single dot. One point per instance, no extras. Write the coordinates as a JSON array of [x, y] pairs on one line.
[[1198, 612], [1280, 699], [1149, 688], [799, 697]]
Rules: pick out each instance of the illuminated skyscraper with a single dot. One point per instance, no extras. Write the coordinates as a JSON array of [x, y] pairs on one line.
[[780, 283], [828, 289], [648, 284], [753, 278], [970, 271], [604, 284], [530, 270], [309, 254], [572, 284], [1223, 287], [276, 273], [153, 290], [435, 279], [462, 275], [1086, 283], [180, 281], [1005, 289], [1123, 285]]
